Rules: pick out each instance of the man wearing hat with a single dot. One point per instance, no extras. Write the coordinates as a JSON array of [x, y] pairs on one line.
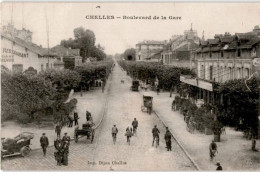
[[167, 138], [155, 132], [219, 167], [44, 141]]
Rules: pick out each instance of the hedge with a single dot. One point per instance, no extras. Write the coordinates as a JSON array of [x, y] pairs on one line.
[[167, 75]]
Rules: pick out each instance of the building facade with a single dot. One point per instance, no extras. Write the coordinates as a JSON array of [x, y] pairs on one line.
[[178, 51], [146, 49], [226, 57], [18, 55]]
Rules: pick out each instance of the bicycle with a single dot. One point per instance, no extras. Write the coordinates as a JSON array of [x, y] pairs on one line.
[[114, 138], [134, 131], [128, 140], [156, 141]]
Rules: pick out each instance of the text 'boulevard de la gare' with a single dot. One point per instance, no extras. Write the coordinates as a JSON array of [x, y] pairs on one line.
[[112, 17]]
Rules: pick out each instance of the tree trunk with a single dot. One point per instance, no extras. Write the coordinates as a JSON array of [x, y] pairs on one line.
[[217, 137]]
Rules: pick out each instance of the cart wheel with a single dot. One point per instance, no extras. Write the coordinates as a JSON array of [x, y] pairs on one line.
[[25, 150]]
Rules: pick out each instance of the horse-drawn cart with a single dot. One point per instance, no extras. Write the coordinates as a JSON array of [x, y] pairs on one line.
[[147, 104], [19, 145], [87, 130]]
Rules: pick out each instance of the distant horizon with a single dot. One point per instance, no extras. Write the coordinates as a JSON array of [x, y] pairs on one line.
[[118, 34]]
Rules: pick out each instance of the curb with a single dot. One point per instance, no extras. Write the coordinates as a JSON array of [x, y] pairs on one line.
[[181, 146]]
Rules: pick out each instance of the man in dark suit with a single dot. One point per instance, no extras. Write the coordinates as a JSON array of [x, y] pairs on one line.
[[58, 130], [76, 117], [44, 143]]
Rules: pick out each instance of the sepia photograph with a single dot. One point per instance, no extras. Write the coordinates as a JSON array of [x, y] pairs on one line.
[[130, 86]]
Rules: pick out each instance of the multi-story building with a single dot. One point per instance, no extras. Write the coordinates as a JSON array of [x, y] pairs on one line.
[[146, 49], [18, 53], [226, 57], [178, 51]]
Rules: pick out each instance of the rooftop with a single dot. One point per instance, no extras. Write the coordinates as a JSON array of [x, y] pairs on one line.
[[30, 46]]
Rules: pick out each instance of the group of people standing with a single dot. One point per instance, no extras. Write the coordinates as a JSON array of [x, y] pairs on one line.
[[62, 150]]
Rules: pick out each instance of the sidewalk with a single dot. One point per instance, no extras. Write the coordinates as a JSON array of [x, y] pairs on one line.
[[234, 152], [93, 101]]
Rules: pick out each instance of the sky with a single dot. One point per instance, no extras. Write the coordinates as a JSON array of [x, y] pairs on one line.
[[119, 34]]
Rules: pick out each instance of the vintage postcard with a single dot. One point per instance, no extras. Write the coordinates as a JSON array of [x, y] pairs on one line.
[[135, 86]]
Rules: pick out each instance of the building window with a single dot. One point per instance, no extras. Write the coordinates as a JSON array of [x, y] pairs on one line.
[[238, 53], [238, 73], [246, 73], [202, 72], [210, 54], [211, 72], [47, 65], [222, 54], [229, 73]]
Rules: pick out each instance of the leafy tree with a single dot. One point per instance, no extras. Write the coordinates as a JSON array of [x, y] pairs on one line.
[[85, 41], [129, 54]]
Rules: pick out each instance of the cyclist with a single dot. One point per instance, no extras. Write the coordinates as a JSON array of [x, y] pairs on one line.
[[212, 149], [155, 132], [128, 135], [114, 133], [135, 125]]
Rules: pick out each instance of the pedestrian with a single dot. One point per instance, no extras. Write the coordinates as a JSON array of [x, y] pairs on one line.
[[88, 115], [44, 143], [128, 135], [155, 132], [70, 121], [212, 149], [253, 144], [76, 117], [167, 138], [174, 105], [65, 153], [58, 154], [135, 125], [66, 138], [158, 90], [58, 130], [219, 167]]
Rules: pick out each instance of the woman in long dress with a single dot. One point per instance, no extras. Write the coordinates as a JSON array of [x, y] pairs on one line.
[[65, 153]]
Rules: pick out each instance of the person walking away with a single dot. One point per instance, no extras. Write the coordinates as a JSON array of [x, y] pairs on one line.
[[66, 138], [70, 121], [65, 153], [114, 133], [219, 167], [155, 132], [168, 138], [88, 115], [44, 143], [135, 125], [76, 118], [212, 149], [128, 135], [59, 150], [58, 130], [253, 144], [158, 90]]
